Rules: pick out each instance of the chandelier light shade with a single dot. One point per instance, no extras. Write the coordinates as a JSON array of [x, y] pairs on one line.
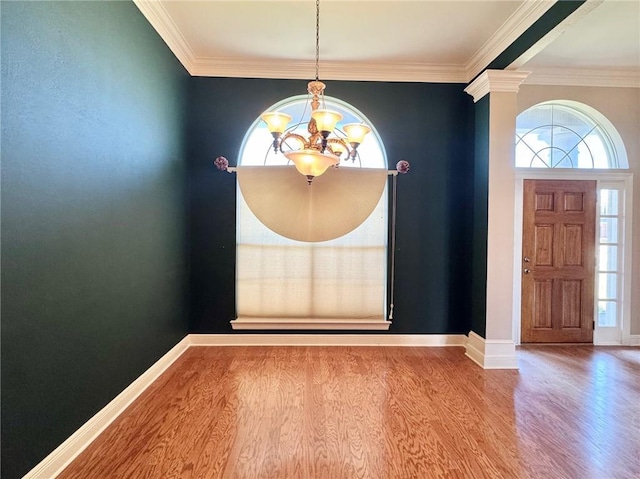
[[326, 121], [276, 122], [311, 163], [322, 147], [356, 133]]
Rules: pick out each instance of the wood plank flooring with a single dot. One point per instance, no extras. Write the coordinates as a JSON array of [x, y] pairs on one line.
[[363, 412]]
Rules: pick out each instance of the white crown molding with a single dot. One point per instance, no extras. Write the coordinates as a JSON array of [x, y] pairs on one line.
[[584, 77], [525, 16], [160, 19], [155, 12], [61, 457], [423, 340], [491, 354], [329, 70], [495, 81], [552, 35]]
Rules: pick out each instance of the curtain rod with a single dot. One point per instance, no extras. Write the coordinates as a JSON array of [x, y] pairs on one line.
[[233, 169]]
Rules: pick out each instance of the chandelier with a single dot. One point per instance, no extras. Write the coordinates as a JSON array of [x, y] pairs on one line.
[[325, 143]]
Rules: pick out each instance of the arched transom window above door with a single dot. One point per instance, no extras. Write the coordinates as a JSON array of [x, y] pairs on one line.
[[567, 134]]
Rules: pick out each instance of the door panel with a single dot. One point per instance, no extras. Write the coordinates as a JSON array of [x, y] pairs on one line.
[[542, 306], [558, 264], [572, 245], [574, 202], [571, 303], [544, 201], [543, 255]]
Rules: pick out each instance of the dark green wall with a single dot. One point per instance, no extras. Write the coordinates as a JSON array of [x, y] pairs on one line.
[[93, 250], [113, 249], [558, 12], [426, 124], [480, 217]]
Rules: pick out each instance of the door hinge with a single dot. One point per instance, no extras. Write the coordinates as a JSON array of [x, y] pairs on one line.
[[593, 325]]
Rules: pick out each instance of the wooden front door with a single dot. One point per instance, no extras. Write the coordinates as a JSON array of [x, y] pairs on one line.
[[558, 261]]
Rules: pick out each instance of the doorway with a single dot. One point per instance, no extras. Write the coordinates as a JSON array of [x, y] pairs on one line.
[[558, 261], [568, 140], [612, 325]]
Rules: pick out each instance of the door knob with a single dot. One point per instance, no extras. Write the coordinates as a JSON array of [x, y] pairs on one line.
[[526, 259], [527, 271]]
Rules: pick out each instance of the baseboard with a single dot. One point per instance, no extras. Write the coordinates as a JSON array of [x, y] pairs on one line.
[[54, 463], [634, 340], [491, 353], [327, 339], [475, 348]]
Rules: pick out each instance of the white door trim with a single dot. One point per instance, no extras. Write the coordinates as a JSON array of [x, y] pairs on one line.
[[624, 177]]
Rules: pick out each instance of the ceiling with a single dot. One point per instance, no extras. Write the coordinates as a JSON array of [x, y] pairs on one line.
[[426, 41]]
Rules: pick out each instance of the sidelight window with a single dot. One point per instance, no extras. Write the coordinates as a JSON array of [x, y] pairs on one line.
[[609, 256]]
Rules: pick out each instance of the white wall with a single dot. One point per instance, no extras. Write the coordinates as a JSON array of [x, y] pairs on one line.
[[622, 107]]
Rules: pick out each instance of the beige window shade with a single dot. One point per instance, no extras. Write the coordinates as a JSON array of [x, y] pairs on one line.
[[335, 204], [290, 281]]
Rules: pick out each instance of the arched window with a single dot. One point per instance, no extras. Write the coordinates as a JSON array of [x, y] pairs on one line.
[[282, 283], [255, 151], [567, 134]]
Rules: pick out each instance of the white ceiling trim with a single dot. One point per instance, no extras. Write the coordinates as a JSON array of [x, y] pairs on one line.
[[159, 19], [399, 72], [525, 16], [495, 81], [550, 37], [515, 25], [584, 77]]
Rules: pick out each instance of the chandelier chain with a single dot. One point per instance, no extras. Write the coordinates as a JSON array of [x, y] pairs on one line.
[[317, 38]]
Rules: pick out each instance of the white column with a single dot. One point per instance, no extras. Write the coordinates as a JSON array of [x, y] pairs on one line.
[[497, 349]]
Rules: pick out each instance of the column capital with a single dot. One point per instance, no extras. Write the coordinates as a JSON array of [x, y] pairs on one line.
[[496, 81]]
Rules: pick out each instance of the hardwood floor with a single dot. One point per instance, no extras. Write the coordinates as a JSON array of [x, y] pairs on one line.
[[366, 412]]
